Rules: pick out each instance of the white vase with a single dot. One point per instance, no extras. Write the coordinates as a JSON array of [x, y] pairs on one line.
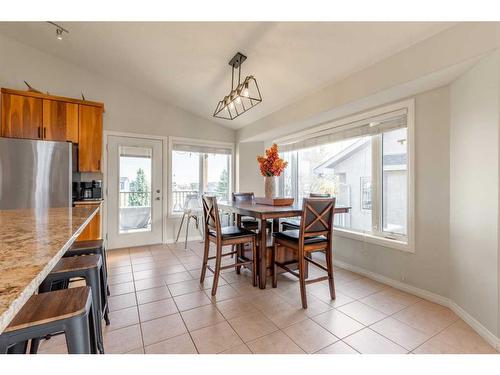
[[270, 186]]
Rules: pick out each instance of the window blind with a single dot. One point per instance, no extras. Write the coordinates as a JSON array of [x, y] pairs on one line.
[[204, 149], [369, 126]]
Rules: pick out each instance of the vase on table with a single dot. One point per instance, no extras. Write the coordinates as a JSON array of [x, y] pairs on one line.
[[270, 187]]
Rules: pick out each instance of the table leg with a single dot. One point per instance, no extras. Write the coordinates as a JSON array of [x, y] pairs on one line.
[[262, 254]]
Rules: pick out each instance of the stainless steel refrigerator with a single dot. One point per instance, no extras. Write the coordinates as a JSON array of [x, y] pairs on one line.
[[35, 174]]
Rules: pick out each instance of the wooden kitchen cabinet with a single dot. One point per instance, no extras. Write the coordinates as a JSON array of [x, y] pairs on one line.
[[21, 116], [60, 121], [93, 230], [90, 138]]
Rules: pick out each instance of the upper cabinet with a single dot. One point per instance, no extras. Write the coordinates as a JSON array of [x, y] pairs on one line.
[[33, 115], [21, 116], [60, 121], [90, 139]]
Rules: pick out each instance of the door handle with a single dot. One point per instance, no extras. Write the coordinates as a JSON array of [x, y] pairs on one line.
[[158, 198], [44, 132], [39, 133]]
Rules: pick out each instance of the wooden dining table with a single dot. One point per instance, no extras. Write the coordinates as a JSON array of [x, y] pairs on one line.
[[262, 213]]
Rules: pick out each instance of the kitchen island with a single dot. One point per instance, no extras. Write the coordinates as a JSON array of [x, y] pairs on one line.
[[31, 243]]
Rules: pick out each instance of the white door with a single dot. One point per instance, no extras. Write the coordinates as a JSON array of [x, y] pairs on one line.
[[134, 197]]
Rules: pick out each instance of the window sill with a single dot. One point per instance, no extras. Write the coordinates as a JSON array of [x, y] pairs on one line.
[[370, 238]]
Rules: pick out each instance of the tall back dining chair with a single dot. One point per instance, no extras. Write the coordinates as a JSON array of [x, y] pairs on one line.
[[191, 211], [226, 236], [314, 235]]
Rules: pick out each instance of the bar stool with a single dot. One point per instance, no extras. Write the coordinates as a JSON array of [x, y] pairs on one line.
[[68, 311], [294, 223], [231, 235], [90, 247], [89, 268]]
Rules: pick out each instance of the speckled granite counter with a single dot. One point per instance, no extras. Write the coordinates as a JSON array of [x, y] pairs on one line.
[[31, 243]]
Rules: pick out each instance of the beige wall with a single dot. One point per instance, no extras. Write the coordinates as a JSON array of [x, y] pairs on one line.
[[474, 204], [247, 175]]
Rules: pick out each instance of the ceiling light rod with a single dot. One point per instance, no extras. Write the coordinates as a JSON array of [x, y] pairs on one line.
[[59, 31], [242, 97]]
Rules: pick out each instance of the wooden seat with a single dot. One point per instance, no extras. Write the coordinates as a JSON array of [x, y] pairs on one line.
[[315, 235], [294, 223], [223, 237], [67, 310], [77, 263]]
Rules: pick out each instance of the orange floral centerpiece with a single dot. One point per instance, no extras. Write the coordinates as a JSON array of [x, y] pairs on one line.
[[271, 166]]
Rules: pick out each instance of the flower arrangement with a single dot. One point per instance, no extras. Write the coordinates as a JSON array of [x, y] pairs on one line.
[[271, 165]]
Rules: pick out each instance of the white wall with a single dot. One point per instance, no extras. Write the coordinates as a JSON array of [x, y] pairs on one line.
[[248, 177], [474, 203]]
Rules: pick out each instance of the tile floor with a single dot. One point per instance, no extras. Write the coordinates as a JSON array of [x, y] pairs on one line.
[[158, 306]]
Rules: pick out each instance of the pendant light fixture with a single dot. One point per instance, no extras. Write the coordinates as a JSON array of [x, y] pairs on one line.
[[59, 30], [241, 98]]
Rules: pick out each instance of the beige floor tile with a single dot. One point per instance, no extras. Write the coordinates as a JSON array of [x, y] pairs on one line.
[[157, 309], [322, 292], [121, 301], [191, 300], [240, 349], [252, 326], [201, 317], [142, 259], [310, 336], [161, 329], [223, 292], [114, 271], [123, 340], [153, 294], [176, 345], [124, 288], [122, 318], [216, 338], [339, 347], [461, 336], [185, 287], [177, 277], [149, 283], [55, 345], [402, 334], [284, 315], [436, 346], [427, 317], [136, 351], [235, 307], [359, 289], [338, 323], [362, 313], [120, 279], [274, 343], [118, 262], [157, 272], [384, 302], [369, 342]]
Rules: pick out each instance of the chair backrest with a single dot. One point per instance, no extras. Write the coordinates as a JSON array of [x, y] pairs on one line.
[[317, 217], [192, 202], [243, 197], [319, 195], [211, 214]]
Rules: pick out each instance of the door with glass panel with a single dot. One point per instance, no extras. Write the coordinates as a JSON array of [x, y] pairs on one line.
[[135, 214]]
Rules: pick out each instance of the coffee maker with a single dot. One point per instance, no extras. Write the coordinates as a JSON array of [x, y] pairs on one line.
[[87, 190]]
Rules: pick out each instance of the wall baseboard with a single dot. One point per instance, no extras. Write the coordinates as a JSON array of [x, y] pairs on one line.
[[481, 330]]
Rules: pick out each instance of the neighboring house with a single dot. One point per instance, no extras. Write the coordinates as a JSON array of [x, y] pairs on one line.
[[124, 184]]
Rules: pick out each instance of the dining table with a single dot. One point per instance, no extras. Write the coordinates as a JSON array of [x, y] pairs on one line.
[[263, 213]]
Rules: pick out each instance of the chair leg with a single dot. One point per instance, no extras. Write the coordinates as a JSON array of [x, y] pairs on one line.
[[78, 336], [19, 348], [218, 259], [254, 261], [329, 265], [274, 251], [180, 228], [93, 280], [205, 260], [239, 252], [302, 279], [187, 232]]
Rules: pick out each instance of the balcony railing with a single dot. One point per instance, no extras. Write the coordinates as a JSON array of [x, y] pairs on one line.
[[179, 197], [135, 199]]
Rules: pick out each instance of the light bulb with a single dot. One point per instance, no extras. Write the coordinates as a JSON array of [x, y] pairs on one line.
[[59, 34], [245, 92]]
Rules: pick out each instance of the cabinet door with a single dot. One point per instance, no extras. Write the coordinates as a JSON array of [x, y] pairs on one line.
[[93, 230], [21, 116], [60, 121], [90, 139]]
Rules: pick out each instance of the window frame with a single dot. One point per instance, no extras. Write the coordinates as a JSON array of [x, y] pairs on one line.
[[196, 142], [377, 236]]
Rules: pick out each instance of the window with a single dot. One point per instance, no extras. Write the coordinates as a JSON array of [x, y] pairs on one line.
[[364, 164], [199, 169]]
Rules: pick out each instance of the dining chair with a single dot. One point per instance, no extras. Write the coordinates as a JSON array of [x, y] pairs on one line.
[[247, 222], [314, 235], [294, 223], [227, 236], [191, 211]]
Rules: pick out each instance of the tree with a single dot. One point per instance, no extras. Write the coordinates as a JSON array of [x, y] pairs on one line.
[[139, 189], [223, 184]]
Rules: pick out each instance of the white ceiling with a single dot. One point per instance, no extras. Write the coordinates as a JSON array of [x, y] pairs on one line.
[[186, 63]]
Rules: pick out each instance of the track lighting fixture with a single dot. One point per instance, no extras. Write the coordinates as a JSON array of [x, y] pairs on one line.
[[59, 30]]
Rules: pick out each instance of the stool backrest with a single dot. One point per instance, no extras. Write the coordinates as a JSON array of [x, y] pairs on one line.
[[211, 214], [243, 197], [319, 195], [317, 217]]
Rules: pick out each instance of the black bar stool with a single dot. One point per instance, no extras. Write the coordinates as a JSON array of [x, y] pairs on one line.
[[68, 311], [89, 268]]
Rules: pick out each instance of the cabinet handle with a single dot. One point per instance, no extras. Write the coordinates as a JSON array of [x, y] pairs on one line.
[[44, 132], [99, 164], [39, 133]]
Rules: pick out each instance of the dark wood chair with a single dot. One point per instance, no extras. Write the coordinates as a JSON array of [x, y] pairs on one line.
[[227, 236], [314, 235], [247, 222], [294, 223]]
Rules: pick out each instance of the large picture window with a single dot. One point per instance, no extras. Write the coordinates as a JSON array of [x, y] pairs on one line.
[[364, 164], [199, 169]]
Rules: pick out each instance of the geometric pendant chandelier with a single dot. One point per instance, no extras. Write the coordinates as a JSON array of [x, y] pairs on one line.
[[241, 98]]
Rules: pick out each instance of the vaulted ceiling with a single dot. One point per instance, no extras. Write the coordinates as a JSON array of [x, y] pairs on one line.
[[186, 63]]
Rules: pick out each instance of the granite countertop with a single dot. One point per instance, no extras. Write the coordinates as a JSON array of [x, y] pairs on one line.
[[31, 243]]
